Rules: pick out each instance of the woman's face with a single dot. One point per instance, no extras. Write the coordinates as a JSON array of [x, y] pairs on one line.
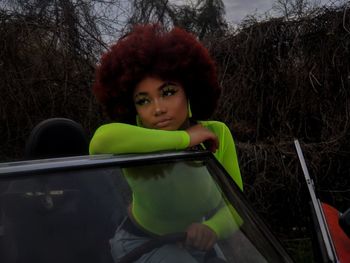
[[161, 104]]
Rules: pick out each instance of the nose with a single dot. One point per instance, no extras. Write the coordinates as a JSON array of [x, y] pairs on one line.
[[159, 107]]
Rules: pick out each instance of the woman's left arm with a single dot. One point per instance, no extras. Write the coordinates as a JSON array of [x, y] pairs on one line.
[[221, 225], [227, 155], [226, 220]]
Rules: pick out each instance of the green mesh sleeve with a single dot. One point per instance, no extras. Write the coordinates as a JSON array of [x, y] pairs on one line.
[[119, 138]]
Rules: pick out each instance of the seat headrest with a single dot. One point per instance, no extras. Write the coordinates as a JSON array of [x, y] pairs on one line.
[[56, 137]]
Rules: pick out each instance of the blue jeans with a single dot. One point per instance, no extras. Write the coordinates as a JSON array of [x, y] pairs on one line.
[[123, 242]]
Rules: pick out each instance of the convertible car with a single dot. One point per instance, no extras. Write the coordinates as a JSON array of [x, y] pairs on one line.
[[67, 209]]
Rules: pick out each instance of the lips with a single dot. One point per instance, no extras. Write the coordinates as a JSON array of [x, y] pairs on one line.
[[163, 123]]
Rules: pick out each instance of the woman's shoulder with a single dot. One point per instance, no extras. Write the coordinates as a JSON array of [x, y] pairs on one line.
[[214, 124], [218, 127]]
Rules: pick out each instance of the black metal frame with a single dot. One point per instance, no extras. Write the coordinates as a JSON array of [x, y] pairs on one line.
[[23, 168]]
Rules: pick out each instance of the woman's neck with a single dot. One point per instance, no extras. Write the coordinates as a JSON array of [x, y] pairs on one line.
[[188, 123]]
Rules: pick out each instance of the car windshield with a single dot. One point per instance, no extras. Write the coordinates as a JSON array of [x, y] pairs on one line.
[[67, 209]]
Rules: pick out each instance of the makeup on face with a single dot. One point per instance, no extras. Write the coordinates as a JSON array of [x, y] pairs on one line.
[[165, 90], [160, 104]]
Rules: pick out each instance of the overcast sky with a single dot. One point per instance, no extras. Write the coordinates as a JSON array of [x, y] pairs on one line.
[[236, 10]]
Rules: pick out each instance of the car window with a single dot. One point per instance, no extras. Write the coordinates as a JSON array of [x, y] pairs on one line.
[[70, 214], [62, 216], [188, 189]]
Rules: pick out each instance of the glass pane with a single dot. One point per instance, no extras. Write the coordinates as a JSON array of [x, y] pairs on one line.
[[170, 197], [61, 217], [253, 242], [71, 216]]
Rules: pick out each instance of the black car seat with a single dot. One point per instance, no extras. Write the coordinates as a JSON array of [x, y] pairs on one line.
[[56, 137], [73, 217]]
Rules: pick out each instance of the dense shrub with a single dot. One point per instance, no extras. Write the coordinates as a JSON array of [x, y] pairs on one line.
[[286, 79]]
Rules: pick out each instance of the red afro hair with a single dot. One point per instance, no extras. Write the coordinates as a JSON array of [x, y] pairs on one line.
[[152, 51]]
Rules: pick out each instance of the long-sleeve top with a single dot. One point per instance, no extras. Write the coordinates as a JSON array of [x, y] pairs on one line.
[[170, 204]]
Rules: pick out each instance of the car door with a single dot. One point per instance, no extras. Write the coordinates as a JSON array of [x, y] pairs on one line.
[[67, 209]]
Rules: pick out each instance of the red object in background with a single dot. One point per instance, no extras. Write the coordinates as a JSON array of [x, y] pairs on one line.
[[340, 239]]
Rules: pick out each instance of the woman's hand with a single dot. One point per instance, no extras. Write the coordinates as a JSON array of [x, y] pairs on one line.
[[200, 236], [199, 134]]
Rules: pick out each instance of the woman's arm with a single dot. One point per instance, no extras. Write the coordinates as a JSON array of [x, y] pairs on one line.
[[119, 138], [225, 222], [227, 155]]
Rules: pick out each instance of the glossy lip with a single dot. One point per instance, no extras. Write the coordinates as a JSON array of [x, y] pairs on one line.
[[163, 123]]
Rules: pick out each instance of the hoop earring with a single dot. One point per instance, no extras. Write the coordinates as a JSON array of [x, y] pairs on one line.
[[189, 109], [138, 121]]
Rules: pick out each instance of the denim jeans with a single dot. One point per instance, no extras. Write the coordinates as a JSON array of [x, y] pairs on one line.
[[123, 242]]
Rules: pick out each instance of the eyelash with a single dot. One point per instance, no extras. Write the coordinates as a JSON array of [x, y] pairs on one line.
[[167, 91], [141, 101]]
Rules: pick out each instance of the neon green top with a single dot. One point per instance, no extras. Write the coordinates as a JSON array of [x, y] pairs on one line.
[[193, 195]]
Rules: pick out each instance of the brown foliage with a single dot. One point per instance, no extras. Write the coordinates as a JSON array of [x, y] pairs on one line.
[[288, 78], [284, 80], [42, 76]]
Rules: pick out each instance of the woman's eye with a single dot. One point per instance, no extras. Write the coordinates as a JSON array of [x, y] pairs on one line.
[[141, 101], [169, 91]]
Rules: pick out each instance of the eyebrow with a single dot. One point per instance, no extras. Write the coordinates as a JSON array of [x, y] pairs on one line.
[[159, 88]]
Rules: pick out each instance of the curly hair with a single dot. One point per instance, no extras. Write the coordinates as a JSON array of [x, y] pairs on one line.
[[152, 51]]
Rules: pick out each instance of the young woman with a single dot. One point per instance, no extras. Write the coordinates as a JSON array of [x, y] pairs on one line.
[[160, 87]]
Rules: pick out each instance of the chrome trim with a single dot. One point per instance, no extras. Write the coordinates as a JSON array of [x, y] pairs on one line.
[[21, 167]]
